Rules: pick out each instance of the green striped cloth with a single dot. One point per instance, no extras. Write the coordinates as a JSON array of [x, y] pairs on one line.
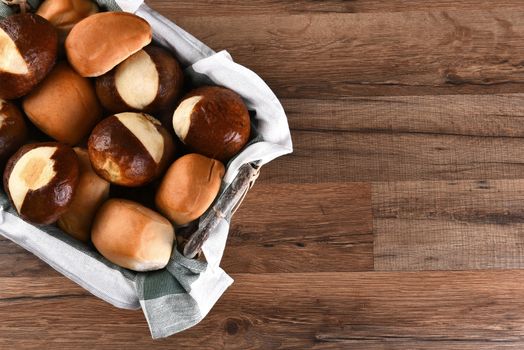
[[180, 295]]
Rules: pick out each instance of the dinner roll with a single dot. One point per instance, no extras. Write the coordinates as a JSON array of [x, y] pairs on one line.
[[91, 192], [64, 14], [149, 81], [130, 149], [64, 105], [213, 121], [189, 187], [40, 179], [13, 131], [98, 43], [28, 49], [133, 236]]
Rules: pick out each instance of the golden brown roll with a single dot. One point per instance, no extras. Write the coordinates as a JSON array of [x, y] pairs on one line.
[[91, 192], [64, 105], [189, 187], [149, 80], [133, 236], [98, 43], [64, 14], [28, 49], [40, 179], [13, 131]]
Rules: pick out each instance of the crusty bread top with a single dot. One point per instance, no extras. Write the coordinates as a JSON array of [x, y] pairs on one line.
[[132, 236], [64, 105], [189, 187], [64, 14], [98, 43]]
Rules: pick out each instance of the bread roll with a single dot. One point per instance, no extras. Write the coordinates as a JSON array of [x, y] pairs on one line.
[[13, 130], [189, 187], [213, 121], [149, 80], [130, 149], [28, 49], [40, 179], [64, 105], [133, 236], [64, 14], [91, 192], [98, 43]]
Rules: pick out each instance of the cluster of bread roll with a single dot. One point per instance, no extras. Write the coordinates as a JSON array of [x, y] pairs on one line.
[[83, 100]]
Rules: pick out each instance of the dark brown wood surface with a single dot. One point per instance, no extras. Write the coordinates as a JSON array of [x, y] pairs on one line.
[[398, 223]]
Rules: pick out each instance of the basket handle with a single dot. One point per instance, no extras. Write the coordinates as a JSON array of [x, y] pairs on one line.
[[226, 205]]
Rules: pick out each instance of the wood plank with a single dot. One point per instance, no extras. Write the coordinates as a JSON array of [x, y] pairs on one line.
[[302, 228], [26, 288], [460, 115], [15, 261], [403, 138], [324, 156], [357, 310], [406, 53], [448, 225], [269, 7]]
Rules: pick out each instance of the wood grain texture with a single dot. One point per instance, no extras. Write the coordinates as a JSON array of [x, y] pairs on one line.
[[300, 228], [392, 53], [356, 310], [29, 288], [449, 225], [17, 262], [407, 118], [403, 138], [228, 8]]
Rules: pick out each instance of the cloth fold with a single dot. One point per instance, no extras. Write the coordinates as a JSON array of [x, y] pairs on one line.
[[180, 295]]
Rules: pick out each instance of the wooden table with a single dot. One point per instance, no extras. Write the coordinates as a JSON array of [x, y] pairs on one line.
[[398, 223]]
